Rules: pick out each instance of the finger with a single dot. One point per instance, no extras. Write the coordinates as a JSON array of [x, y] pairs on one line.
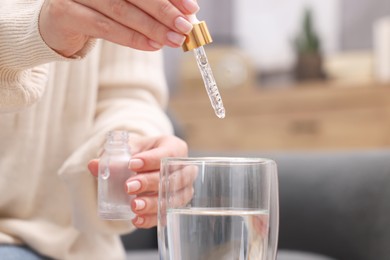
[[145, 205], [163, 147], [182, 178], [148, 218], [143, 182], [178, 198], [149, 182], [186, 6], [167, 13], [93, 167], [135, 18], [97, 25], [145, 221]]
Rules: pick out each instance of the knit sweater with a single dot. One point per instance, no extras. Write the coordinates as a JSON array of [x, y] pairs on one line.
[[54, 114]]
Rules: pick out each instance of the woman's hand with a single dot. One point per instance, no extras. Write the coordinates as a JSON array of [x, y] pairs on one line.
[[66, 25], [146, 156]]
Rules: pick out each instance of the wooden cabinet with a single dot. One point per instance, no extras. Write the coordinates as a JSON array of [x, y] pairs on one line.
[[318, 116]]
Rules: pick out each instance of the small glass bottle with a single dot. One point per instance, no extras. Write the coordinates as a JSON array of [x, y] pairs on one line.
[[113, 200]]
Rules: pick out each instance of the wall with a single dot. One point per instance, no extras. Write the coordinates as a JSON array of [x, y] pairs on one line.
[[265, 28], [357, 21]]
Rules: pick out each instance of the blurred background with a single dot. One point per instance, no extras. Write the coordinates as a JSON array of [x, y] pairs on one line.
[[307, 84], [293, 74]]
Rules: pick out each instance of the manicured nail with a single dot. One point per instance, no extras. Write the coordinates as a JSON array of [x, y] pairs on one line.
[[139, 221], [139, 204], [136, 164], [177, 39], [191, 6], [133, 186], [183, 25], [155, 45]]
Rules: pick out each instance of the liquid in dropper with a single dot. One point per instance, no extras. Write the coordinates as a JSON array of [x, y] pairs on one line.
[[209, 82]]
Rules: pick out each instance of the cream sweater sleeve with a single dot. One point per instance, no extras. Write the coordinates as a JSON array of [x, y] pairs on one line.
[[24, 56], [132, 95], [133, 91]]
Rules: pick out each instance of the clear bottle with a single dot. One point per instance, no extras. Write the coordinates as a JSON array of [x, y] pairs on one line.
[[113, 200]]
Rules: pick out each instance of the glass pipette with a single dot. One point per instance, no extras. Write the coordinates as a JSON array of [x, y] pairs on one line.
[[209, 82], [195, 41]]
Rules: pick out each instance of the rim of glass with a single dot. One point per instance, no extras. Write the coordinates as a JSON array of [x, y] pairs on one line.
[[217, 159]]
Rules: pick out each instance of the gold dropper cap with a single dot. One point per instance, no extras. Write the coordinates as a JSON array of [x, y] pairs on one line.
[[199, 36]]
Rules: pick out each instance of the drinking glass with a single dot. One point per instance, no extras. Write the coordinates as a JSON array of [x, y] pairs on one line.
[[218, 208]]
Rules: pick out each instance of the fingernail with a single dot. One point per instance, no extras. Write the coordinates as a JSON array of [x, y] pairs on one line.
[[155, 45], [183, 25], [133, 186], [191, 6], [176, 38], [139, 204], [136, 164], [139, 221]]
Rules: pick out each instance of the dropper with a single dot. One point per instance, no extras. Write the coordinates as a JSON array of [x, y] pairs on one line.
[[195, 40]]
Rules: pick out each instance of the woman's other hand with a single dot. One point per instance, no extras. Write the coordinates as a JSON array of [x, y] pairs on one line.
[[147, 153]]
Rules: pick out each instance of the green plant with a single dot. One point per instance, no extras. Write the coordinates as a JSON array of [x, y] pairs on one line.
[[307, 40]]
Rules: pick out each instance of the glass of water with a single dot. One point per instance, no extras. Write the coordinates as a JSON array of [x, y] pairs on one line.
[[218, 208]]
